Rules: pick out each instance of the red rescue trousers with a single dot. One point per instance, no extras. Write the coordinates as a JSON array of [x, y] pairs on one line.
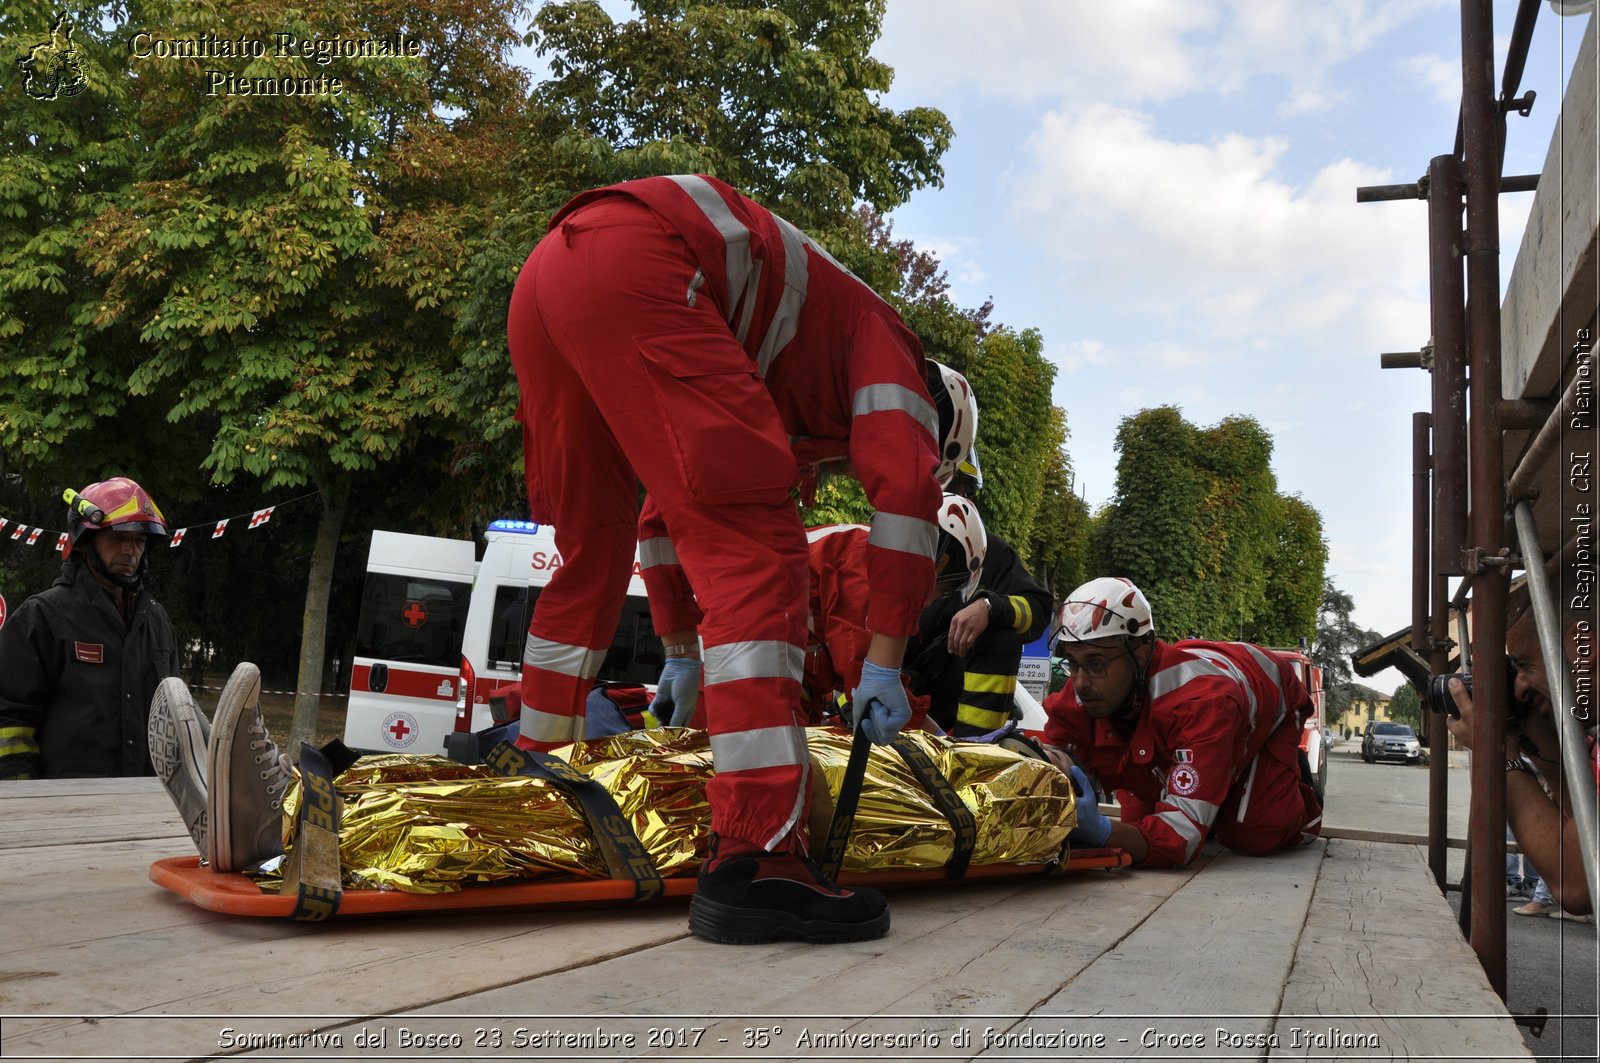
[[1270, 807], [629, 373]]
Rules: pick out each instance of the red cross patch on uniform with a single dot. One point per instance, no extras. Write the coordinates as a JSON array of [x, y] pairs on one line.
[[89, 652]]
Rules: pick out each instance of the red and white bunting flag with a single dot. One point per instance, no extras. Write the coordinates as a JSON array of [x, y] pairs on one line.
[[61, 542], [33, 537], [222, 526], [4, 521], [177, 537], [22, 529], [261, 516]]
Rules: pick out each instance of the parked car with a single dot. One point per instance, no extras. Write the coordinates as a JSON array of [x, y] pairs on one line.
[[1391, 741]]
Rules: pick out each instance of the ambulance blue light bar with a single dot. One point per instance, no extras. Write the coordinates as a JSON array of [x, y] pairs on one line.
[[521, 527]]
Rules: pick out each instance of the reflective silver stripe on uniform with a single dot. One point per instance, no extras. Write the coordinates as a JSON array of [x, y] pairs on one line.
[[764, 747], [1269, 667], [773, 659], [695, 284], [1169, 679], [791, 301], [1249, 782], [908, 535], [1200, 812], [735, 237], [657, 550], [878, 398], [550, 727], [1185, 829], [578, 661]]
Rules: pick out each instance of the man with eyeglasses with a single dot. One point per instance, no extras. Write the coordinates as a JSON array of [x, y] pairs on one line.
[[1197, 739]]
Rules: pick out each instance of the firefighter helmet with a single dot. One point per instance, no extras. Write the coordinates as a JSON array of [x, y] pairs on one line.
[[116, 503], [1108, 607], [958, 416], [968, 478], [963, 540]]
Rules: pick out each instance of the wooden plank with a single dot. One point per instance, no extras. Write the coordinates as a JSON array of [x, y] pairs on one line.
[[137, 808], [1204, 973], [1394, 837], [954, 954], [1383, 966]]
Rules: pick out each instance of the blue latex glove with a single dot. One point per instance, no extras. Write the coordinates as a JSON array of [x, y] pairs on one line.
[[881, 708], [1093, 829], [677, 692]]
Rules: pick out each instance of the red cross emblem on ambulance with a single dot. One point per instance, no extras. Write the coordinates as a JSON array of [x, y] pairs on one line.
[[415, 614]]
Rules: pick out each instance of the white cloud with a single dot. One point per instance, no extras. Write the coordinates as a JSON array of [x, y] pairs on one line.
[[1133, 51], [1440, 76], [1157, 225], [1300, 44], [1026, 50]]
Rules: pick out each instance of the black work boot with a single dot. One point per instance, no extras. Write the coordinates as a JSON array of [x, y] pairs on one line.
[[750, 896]]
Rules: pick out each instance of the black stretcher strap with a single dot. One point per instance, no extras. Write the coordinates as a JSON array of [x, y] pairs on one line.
[[946, 800], [844, 809], [624, 853], [312, 868]]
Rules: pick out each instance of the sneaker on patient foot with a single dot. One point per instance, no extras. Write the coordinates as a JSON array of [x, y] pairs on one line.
[[747, 895], [179, 734], [248, 777]]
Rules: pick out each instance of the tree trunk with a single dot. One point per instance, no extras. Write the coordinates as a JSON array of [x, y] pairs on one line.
[[314, 625]]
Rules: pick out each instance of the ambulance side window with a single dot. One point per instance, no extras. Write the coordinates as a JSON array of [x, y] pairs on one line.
[[412, 620], [508, 629], [635, 655]]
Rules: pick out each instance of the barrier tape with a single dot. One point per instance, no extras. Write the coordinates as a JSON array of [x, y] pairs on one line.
[[290, 693]]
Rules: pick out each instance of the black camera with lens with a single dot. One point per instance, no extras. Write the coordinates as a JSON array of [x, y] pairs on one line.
[[1438, 699]]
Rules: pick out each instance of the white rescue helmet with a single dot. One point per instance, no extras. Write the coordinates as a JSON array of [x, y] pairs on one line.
[[958, 416], [1108, 607], [963, 540]]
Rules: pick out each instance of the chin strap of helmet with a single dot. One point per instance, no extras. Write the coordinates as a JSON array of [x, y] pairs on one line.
[[1141, 693], [91, 557]]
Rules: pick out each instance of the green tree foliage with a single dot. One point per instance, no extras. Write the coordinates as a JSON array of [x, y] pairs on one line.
[[1198, 523], [1406, 706], [1337, 637], [280, 269], [1059, 548], [779, 99], [1295, 567]]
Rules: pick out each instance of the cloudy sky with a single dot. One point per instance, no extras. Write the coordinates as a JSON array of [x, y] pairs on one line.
[[1166, 189]]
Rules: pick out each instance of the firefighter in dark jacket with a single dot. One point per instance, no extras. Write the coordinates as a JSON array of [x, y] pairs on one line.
[[80, 662], [969, 647]]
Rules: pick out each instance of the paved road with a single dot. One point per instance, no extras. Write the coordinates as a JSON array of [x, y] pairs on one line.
[[1550, 963]]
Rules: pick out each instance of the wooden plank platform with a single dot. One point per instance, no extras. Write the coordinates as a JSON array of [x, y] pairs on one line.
[[1342, 950]]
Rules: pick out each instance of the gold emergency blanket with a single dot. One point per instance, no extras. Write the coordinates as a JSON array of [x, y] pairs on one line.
[[430, 825]]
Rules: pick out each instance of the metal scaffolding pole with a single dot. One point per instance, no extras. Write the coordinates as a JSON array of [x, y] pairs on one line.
[[1485, 563]]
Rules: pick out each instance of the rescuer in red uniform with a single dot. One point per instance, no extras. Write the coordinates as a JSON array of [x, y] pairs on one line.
[[672, 332], [1197, 738], [841, 587]]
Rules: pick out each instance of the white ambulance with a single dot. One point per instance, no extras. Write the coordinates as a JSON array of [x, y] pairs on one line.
[[440, 628]]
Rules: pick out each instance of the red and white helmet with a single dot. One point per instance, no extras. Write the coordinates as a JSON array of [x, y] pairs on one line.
[[958, 416], [116, 503], [1108, 607], [963, 539]]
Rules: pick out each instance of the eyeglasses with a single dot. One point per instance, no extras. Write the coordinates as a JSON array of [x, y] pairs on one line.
[[1093, 667]]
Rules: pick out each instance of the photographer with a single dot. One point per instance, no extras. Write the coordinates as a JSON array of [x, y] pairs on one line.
[[1539, 818]]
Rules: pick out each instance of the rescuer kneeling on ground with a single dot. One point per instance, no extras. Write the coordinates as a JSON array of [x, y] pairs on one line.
[[1196, 738]]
